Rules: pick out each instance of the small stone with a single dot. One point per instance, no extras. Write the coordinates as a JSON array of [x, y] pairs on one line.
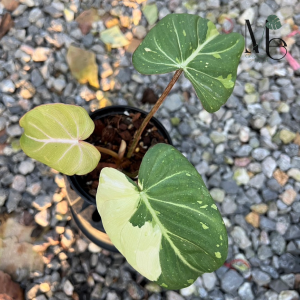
[[243, 151], [67, 239], [231, 281], [14, 130], [274, 119], [260, 153], [36, 78], [42, 218], [153, 287], [44, 287], [244, 134], [245, 291], [19, 183], [34, 15], [93, 248], [253, 219], [40, 54], [3, 196], [13, 200], [260, 208], [171, 295], [289, 196], [288, 295], [59, 84], [217, 137], [287, 136], [81, 245], [213, 4], [260, 277], [257, 181], [289, 279], [136, 292], [31, 293], [284, 162], [294, 173], [62, 207], [188, 291], [34, 188], [173, 102], [68, 288], [139, 31], [241, 176], [7, 86], [268, 166], [281, 177], [248, 14], [264, 252], [26, 167], [240, 238], [277, 243], [209, 281], [217, 194], [96, 293], [42, 202]]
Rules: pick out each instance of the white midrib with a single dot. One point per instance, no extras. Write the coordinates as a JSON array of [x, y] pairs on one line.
[[196, 52], [164, 232], [51, 140]]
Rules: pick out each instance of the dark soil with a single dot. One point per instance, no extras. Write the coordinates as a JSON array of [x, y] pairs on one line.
[[108, 133]]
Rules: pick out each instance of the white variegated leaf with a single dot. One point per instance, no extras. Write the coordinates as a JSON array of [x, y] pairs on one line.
[[168, 227]]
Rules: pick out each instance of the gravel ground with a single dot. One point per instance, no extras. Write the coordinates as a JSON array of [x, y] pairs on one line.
[[247, 152]]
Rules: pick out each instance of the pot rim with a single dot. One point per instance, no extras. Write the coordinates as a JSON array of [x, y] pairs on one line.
[[104, 112]]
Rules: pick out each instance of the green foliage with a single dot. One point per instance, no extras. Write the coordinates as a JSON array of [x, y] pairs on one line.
[[54, 134], [273, 22], [171, 229], [209, 60]]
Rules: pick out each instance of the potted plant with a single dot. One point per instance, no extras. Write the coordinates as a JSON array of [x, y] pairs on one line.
[[165, 224]]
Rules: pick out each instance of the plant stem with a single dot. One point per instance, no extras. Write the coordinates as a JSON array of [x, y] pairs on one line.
[[107, 151], [159, 102]]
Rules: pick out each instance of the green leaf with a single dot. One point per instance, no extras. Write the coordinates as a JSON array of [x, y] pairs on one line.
[[54, 134], [209, 60], [168, 226], [273, 22], [151, 13]]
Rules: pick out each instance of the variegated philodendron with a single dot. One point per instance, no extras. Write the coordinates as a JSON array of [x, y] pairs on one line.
[[167, 226], [188, 42]]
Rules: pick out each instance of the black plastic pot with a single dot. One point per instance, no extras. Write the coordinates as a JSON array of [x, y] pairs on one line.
[[76, 181], [81, 203]]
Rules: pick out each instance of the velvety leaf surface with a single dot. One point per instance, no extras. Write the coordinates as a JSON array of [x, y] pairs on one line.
[[168, 227], [54, 134], [209, 60], [83, 66], [273, 22]]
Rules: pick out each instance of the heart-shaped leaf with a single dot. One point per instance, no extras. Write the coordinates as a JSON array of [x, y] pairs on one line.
[[209, 60], [168, 226], [54, 134], [273, 22]]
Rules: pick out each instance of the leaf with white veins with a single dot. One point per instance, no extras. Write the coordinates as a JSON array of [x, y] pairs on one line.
[[168, 226], [54, 134], [208, 59]]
